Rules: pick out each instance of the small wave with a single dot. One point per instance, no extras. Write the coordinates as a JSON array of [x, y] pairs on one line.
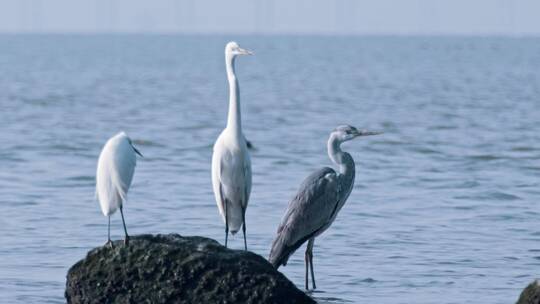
[[505, 196], [147, 143], [499, 196], [532, 168], [468, 185], [425, 150], [81, 178], [281, 162], [523, 149], [485, 157], [325, 300], [64, 147], [467, 207], [391, 142], [442, 127], [511, 258]]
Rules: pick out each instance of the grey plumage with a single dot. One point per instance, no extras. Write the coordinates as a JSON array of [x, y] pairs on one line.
[[317, 203], [309, 212]]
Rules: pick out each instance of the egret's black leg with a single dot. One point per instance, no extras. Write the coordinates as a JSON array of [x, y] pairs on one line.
[[126, 240], [109, 242], [226, 223], [244, 227], [310, 248]]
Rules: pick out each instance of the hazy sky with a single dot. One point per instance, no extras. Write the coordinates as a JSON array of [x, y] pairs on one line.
[[508, 17]]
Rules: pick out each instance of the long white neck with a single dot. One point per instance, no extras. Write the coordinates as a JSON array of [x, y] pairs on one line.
[[343, 159], [234, 120]]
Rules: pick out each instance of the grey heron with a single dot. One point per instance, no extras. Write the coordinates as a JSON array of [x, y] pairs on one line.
[[115, 169], [317, 203], [231, 164]]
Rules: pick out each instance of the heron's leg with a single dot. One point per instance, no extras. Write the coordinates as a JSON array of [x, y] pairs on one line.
[[109, 242], [310, 248], [244, 227], [226, 223], [126, 240], [307, 266]]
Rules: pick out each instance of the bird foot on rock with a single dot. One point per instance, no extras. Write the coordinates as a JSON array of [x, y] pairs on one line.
[[110, 244], [126, 240]]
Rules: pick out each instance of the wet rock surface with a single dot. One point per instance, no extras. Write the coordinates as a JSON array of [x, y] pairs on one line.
[[175, 269], [531, 294]]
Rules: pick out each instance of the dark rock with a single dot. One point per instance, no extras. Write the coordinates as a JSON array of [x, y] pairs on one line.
[[531, 294], [176, 269]]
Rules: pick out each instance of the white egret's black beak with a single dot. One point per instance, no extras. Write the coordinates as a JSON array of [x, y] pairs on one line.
[[137, 151]]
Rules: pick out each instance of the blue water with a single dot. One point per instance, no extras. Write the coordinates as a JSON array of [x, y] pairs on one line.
[[445, 207]]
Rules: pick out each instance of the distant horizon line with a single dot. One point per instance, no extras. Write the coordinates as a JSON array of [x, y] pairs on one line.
[[291, 33]]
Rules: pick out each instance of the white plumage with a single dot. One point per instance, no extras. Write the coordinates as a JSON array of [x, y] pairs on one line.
[[231, 165], [115, 169], [231, 170]]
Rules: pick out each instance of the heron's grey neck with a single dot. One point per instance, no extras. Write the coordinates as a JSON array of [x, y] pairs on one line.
[[234, 120], [343, 159]]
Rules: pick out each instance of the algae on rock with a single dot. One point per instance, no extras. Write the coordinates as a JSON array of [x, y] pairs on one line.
[[175, 269]]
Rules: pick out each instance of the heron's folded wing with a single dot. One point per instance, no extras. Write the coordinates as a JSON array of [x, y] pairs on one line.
[[309, 211]]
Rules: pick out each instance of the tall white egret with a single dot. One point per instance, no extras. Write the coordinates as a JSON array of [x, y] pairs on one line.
[[317, 202], [115, 169], [231, 165]]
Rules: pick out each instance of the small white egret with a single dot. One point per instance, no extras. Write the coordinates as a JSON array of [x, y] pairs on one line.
[[317, 202], [115, 169], [231, 165]]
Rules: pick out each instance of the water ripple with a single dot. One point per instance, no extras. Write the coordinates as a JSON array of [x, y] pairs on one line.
[[444, 201]]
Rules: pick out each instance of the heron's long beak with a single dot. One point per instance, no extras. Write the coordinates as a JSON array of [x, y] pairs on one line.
[[242, 51], [137, 151], [367, 133]]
